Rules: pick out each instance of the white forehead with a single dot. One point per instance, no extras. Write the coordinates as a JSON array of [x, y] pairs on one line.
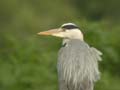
[[68, 24]]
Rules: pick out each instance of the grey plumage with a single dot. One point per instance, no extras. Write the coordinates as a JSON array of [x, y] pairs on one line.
[[77, 61], [78, 66]]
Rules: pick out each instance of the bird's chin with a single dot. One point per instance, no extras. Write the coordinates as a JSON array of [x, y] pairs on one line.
[[58, 35]]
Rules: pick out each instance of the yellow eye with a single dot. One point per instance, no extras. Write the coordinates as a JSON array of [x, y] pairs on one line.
[[63, 29]]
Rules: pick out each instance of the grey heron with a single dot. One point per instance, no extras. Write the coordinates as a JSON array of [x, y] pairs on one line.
[[77, 61]]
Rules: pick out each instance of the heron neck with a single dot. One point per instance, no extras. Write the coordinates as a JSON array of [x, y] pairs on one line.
[[66, 40]]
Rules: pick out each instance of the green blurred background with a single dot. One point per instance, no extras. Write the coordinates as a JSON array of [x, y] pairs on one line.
[[28, 61]]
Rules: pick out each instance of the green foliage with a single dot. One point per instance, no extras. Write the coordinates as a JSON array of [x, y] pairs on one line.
[[28, 61]]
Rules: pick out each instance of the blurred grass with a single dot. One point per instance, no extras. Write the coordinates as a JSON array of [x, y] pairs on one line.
[[28, 61]]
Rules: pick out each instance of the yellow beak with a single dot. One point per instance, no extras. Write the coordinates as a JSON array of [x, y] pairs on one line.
[[49, 32]]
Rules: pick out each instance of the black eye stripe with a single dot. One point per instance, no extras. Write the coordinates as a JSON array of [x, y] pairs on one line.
[[69, 27]]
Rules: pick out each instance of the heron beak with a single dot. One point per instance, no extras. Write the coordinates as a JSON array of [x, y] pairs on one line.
[[49, 32], [52, 32]]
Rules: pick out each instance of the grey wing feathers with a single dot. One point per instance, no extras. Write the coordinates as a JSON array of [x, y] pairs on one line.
[[96, 53], [78, 65]]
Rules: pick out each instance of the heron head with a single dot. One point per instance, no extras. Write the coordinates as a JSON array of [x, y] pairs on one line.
[[67, 30]]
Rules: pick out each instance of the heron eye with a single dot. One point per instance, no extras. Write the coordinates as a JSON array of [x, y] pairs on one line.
[[63, 29]]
